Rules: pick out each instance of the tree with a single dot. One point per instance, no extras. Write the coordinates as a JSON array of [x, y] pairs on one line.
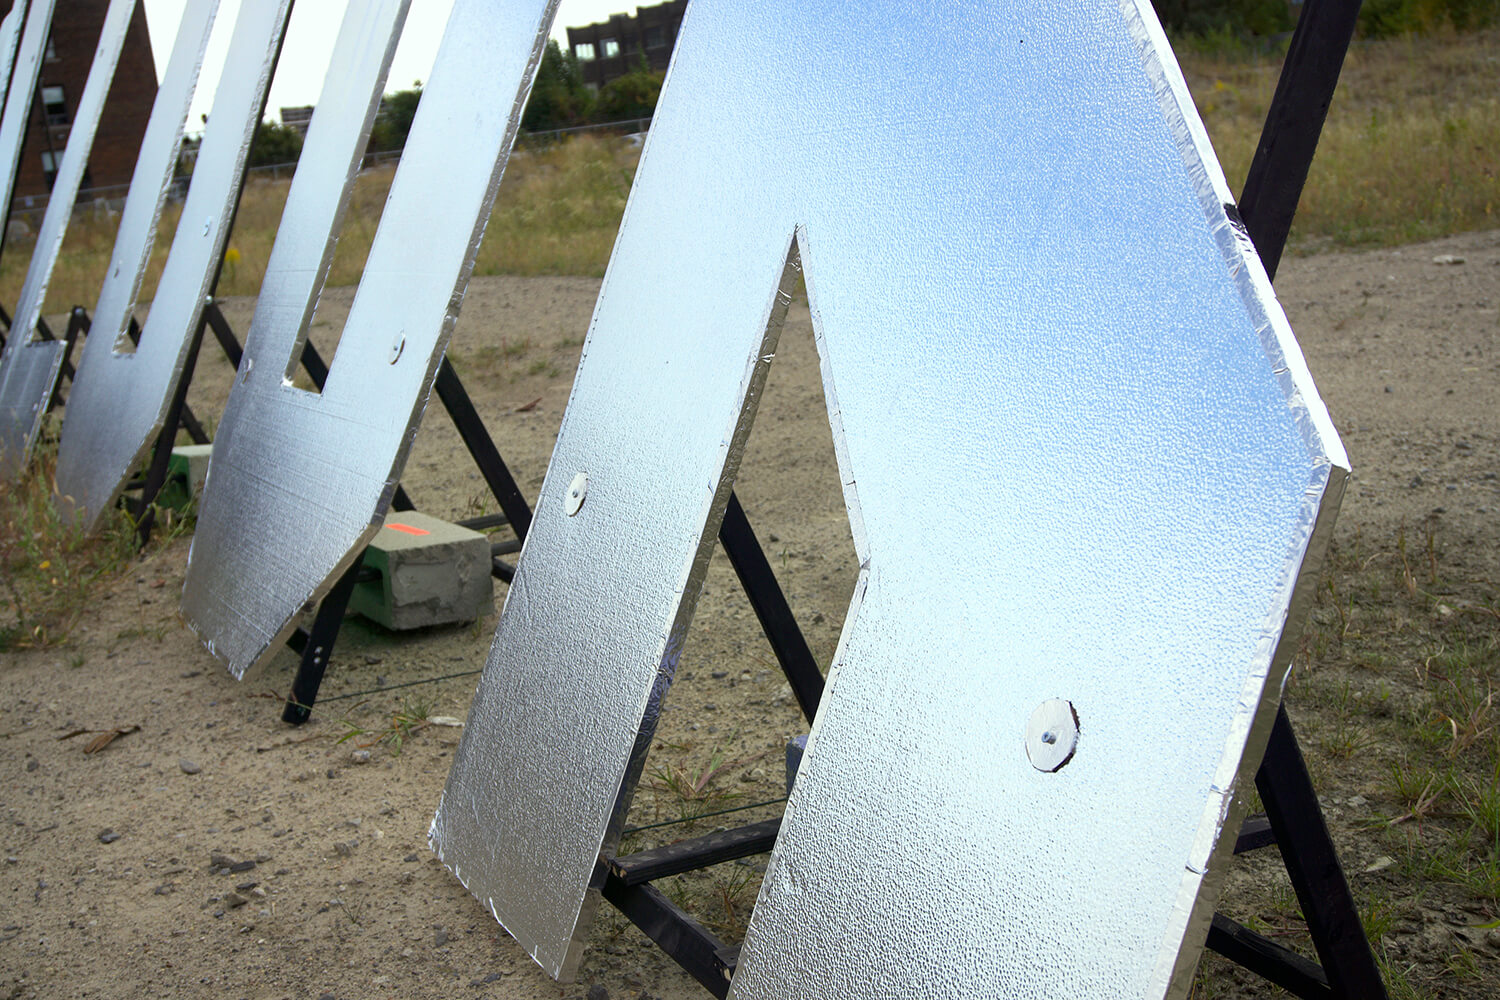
[[559, 97], [273, 144], [632, 95], [1236, 17], [394, 121]]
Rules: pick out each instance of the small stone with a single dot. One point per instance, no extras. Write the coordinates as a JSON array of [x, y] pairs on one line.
[[360, 756], [165, 889], [1447, 260], [494, 976], [409, 858], [32, 765], [371, 660], [597, 992], [332, 773], [241, 866], [217, 860], [245, 886], [439, 938], [235, 900], [188, 767], [345, 850], [108, 836], [1357, 801], [1380, 864]]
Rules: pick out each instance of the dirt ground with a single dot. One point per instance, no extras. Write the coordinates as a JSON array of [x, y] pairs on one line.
[[217, 852]]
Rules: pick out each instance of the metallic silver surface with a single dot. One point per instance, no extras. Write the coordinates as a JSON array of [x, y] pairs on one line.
[[300, 481], [10, 39], [28, 369], [24, 69], [119, 400], [1082, 458]]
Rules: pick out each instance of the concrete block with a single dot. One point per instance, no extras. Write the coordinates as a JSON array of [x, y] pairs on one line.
[[187, 470], [430, 572]]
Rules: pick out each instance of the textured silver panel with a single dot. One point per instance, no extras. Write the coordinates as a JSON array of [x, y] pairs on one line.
[[10, 39], [24, 69], [119, 401], [300, 481], [1083, 461], [28, 369]]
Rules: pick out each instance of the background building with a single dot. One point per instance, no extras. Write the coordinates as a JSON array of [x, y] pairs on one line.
[[65, 69], [610, 49]]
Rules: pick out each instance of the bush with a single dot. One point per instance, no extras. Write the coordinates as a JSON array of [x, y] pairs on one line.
[[630, 96], [559, 97], [274, 144], [1388, 18], [1233, 17]]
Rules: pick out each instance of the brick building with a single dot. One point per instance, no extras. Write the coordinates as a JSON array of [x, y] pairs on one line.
[[609, 49], [65, 69]]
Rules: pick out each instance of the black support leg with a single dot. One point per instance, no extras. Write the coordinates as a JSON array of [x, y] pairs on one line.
[[317, 645], [477, 439], [161, 455], [776, 618], [1297, 818]]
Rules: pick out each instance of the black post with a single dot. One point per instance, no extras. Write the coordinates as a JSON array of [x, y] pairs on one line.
[[1273, 185], [317, 645], [771, 608], [77, 323], [1313, 864], [477, 439], [161, 455]]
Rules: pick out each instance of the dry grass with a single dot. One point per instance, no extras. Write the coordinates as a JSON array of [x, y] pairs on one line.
[[49, 569], [1410, 149]]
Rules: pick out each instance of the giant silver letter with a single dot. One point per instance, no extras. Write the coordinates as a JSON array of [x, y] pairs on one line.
[[1084, 463], [120, 400], [300, 481], [29, 367]]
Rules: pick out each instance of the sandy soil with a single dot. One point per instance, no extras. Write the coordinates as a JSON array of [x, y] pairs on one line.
[[281, 867]]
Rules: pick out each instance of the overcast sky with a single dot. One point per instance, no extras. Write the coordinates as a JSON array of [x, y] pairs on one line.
[[309, 40]]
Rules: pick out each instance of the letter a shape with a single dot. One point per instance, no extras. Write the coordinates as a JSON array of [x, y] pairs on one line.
[[120, 400], [300, 481], [1084, 463]]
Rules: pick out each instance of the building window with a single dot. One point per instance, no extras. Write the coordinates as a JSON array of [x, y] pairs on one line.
[[584, 51], [55, 105], [51, 55], [611, 48], [656, 37], [49, 169]]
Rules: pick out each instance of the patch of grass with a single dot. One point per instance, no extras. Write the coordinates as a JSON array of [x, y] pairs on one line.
[[50, 569], [692, 789], [410, 719], [1434, 98]]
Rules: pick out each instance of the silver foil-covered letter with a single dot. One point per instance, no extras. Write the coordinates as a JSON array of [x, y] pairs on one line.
[[29, 367], [1085, 467], [300, 481], [119, 401]]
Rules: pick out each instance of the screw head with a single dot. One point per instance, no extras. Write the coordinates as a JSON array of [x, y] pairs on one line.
[[1052, 735], [578, 489]]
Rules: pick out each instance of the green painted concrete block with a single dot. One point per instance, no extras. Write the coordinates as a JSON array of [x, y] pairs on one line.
[[430, 572]]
